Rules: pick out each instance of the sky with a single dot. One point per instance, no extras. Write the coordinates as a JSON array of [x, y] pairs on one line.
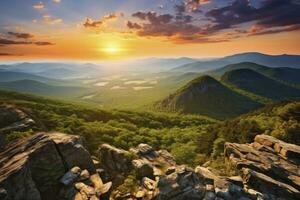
[[122, 29]]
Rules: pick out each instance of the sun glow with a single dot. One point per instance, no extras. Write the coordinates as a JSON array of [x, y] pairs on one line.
[[112, 50]]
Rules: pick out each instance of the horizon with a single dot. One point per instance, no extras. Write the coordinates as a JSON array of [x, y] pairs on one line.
[[127, 60], [137, 29]]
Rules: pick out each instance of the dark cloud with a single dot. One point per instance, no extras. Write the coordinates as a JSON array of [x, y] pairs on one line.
[[12, 42], [4, 41], [39, 43], [9, 54], [273, 31], [133, 25], [21, 35], [154, 24], [271, 13]]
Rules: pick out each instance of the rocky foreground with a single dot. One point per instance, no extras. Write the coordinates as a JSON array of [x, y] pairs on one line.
[[58, 166]]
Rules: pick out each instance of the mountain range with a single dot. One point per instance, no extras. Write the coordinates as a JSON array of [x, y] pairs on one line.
[[55, 70], [207, 96], [292, 61]]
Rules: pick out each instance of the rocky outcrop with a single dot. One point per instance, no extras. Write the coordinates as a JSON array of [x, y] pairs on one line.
[[31, 168], [12, 119], [57, 166], [79, 184], [159, 177], [268, 165]]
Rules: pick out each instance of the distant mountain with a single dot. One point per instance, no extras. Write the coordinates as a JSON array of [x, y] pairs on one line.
[[202, 66], [292, 61], [35, 87], [6, 76], [254, 82], [154, 64], [284, 60], [207, 96], [55, 70], [286, 74]]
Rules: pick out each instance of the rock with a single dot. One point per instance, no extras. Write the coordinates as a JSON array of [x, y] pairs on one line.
[[72, 150], [100, 188], [116, 164], [289, 151], [140, 194], [267, 185], [207, 176], [183, 184], [170, 170], [237, 180], [13, 119], [167, 157], [70, 176], [84, 175], [143, 168], [146, 150], [148, 183], [85, 190], [31, 168], [268, 165], [3, 194]]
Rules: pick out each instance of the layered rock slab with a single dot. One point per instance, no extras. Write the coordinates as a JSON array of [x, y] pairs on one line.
[[268, 165], [31, 168]]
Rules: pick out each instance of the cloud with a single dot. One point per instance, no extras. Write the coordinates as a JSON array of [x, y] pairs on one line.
[[188, 23], [195, 5], [51, 20], [133, 25], [9, 54], [39, 6], [56, 1], [43, 43], [262, 31], [4, 42], [270, 14], [21, 35], [178, 27], [90, 23]]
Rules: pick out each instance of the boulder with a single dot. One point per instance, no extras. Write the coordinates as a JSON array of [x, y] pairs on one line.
[[268, 185], [71, 176], [12, 119], [115, 163], [268, 166], [180, 185], [31, 168], [143, 168]]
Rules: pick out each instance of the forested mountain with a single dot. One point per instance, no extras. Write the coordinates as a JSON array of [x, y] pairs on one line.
[[207, 96]]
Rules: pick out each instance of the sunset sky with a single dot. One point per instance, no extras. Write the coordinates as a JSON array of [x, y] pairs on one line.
[[118, 29]]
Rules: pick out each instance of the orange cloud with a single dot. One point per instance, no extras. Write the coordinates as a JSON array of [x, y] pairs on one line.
[[51, 20], [39, 6], [90, 23]]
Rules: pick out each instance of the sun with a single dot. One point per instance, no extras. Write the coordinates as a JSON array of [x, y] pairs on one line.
[[112, 49]]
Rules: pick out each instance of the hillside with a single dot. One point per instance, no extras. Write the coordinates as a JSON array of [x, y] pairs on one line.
[[292, 61], [286, 74], [6, 76], [254, 82], [51, 70], [36, 87], [207, 96], [179, 134]]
